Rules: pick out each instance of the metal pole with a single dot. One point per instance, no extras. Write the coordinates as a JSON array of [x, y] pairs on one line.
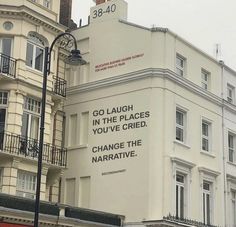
[[40, 152]]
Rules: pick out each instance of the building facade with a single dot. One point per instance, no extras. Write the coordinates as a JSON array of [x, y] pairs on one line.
[[150, 125], [26, 28]]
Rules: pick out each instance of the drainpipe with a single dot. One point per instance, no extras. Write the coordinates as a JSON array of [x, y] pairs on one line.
[[223, 140]]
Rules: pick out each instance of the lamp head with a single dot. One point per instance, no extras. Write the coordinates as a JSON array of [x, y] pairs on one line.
[[75, 58]]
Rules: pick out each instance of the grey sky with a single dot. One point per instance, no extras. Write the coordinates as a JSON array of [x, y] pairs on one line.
[[203, 23]]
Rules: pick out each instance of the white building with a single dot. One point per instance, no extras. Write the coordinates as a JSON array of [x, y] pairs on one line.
[[26, 28], [147, 125]]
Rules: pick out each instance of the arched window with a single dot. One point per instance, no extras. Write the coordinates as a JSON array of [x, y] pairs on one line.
[[35, 51]]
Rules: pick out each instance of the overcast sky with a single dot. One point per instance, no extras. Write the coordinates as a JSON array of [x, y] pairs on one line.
[[203, 23]]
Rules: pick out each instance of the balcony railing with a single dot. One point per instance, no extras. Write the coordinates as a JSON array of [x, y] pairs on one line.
[[21, 146], [186, 221], [7, 65], [59, 86]]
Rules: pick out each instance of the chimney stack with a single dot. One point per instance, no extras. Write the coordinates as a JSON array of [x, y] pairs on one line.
[[101, 1]]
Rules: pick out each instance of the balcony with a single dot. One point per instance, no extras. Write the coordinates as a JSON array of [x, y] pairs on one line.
[[59, 86], [26, 147], [7, 66]]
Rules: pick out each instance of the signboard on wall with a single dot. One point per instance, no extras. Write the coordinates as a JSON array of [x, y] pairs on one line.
[[117, 126]]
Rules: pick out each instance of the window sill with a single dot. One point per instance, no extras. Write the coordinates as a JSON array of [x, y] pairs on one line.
[[208, 153], [40, 73], [182, 144], [231, 163], [77, 147]]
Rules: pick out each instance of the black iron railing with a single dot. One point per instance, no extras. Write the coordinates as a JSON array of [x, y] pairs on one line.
[[59, 86], [19, 145], [7, 65], [186, 221]]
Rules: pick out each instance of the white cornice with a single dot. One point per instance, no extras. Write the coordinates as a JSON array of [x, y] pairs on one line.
[[208, 171], [34, 16], [231, 178], [182, 162], [141, 74]]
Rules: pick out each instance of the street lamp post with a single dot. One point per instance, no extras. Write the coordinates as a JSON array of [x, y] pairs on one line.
[[67, 40]]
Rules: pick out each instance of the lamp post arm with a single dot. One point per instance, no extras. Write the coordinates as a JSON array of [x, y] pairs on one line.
[[62, 44]]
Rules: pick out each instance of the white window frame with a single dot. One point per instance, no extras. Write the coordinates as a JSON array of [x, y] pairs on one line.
[[208, 175], [26, 184], [182, 167], [180, 68], [1, 45], [36, 42], [231, 147], [4, 96], [205, 79], [180, 127], [207, 193], [230, 93], [32, 109], [179, 186], [233, 207], [207, 137]]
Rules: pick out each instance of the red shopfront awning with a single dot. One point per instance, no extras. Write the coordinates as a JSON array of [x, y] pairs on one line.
[[12, 225]]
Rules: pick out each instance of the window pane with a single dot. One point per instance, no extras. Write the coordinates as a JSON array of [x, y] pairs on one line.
[[29, 55], [204, 211], [34, 129], [25, 122], [181, 202], [39, 59], [180, 178], [205, 129], [179, 134], [6, 47], [179, 72], [2, 119], [231, 155], [208, 209], [205, 144], [206, 186], [179, 118], [180, 62], [177, 201], [230, 141]]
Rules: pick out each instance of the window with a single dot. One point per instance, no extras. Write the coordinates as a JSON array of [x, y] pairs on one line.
[[180, 125], [70, 191], [230, 93], [205, 79], [3, 105], [84, 191], [47, 3], [231, 147], [5, 50], [26, 184], [35, 52], [3, 98], [6, 46], [207, 202], [180, 195], [233, 207], [84, 120], [1, 176], [30, 119], [73, 130], [180, 65], [206, 126]]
